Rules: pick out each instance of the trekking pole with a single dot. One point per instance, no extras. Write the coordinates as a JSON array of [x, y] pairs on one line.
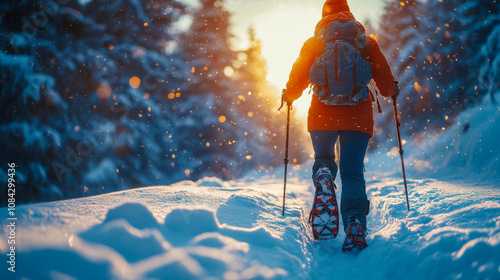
[[286, 149], [398, 125]]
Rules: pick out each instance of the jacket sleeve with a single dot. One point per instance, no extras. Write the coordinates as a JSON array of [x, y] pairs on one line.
[[299, 76], [381, 71]]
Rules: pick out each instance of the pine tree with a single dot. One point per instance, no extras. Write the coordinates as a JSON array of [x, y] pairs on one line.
[[207, 47], [231, 89], [98, 117], [443, 58], [261, 107], [209, 121], [489, 58], [402, 38], [481, 19]]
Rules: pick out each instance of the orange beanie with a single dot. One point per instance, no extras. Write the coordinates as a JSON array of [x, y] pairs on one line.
[[335, 6]]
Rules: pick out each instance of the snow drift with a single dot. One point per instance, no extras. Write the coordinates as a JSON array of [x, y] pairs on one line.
[[468, 148], [212, 229], [131, 244]]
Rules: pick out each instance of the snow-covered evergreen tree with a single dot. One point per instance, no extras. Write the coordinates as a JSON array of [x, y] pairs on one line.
[[91, 107], [489, 75], [435, 50], [261, 107], [403, 39], [230, 98], [207, 48], [482, 21]]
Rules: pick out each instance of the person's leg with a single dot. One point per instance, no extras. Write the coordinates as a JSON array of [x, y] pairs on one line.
[[323, 142], [353, 145], [324, 216]]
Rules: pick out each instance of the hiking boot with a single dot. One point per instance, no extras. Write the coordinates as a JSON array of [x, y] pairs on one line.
[[355, 236], [324, 216]]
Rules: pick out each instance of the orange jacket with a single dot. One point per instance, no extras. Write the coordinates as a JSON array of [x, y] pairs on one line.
[[357, 117]]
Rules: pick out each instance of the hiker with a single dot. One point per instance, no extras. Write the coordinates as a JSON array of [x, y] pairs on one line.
[[339, 62]]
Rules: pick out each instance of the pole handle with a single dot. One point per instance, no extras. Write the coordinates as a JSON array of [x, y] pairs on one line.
[[283, 92]]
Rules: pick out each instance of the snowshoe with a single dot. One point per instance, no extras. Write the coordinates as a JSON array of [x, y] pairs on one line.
[[355, 236], [324, 216]]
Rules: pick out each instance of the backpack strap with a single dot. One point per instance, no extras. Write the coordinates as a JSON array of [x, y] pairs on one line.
[[373, 89]]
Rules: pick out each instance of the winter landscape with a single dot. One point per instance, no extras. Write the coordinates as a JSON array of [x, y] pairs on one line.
[[141, 141], [214, 229]]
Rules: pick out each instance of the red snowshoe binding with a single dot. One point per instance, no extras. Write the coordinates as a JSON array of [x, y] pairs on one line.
[[355, 236], [324, 216]]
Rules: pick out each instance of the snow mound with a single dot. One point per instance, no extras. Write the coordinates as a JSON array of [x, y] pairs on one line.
[[251, 205], [212, 182], [477, 258], [132, 244], [468, 148], [452, 231]]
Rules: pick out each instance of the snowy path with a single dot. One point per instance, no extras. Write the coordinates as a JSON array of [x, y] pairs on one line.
[[452, 232]]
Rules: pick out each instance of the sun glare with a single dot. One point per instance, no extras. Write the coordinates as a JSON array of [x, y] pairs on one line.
[[283, 30]]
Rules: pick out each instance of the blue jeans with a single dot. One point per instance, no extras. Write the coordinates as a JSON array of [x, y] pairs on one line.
[[353, 145]]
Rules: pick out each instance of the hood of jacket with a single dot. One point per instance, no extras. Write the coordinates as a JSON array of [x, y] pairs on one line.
[[340, 16], [335, 6]]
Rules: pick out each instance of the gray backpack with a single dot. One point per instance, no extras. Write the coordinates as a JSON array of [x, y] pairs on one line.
[[341, 73]]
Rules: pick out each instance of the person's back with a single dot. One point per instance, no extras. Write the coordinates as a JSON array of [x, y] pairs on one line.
[[341, 108]]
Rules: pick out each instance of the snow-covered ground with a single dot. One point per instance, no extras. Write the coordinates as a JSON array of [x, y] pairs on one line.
[[212, 229]]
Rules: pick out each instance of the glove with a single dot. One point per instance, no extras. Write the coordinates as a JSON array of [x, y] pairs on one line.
[[285, 98], [395, 96]]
